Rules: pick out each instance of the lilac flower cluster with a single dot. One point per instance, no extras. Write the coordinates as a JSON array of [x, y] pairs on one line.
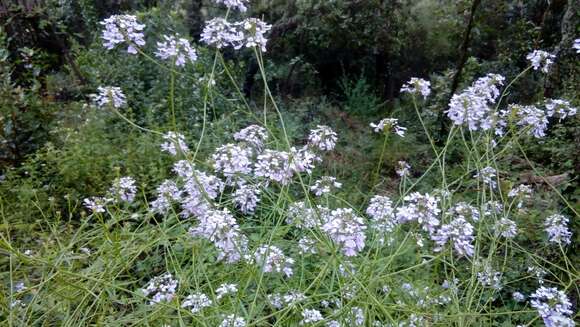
[[553, 306], [177, 49], [460, 233], [233, 321], [123, 189], [253, 135], [161, 288], [196, 302], [109, 95], [225, 289], [272, 259], [345, 228], [421, 208], [387, 125], [488, 176], [323, 138], [472, 107], [381, 211], [289, 299], [174, 143], [234, 4], [325, 185], [123, 29], [417, 86], [249, 33], [557, 228], [541, 60]]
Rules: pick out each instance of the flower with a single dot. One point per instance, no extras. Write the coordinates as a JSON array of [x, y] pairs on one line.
[[196, 302], [311, 316], [306, 246], [487, 176], [253, 135], [96, 204], [403, 168], [304, 217], [553, 306], [506, 228], [345, 228], [246, 197], [460, 233], [176, 48], [249, 33], [174, 143], [274, 165], [381, 211], [559, 108], [557, 229], [272, 259], [472, 106], [323, 138], [220, 228], [490, 278], [231, 159], [417, 86], [120, 29], [532, 118], [324, 185], [233, 321], [522, 190], [576, 45], [166, 193], [421, 208], [389, 124], [234, 4], [109, 95], [225, 289], [518, 297], [291, 298], [162, 288], [124, 189], [541, 60]]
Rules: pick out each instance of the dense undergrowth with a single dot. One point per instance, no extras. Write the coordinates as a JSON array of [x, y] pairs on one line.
[[168, 197]]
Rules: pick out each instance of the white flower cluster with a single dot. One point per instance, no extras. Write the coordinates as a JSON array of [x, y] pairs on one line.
[[272, 259], [381, 211], [109, 96], [231, 160], [325, 185], [199, 188], [323, 138], [460, 233], [488, 176], [221, 228], [167, 192], [174, 143], [123, 189], [421, 208], [161, 288], [541, 60], [417, 86], [196, 302], [253, 135], [249, 33], [246, 197], [403, 168], [225, 289], [490, 278], [234, 4], [280, 166], [506, 228], [553, 306], [289, 299], [472, 106], [559, 108], [518, 297], [532, 119], [310, 316], [233, 321], [387, 125], [345, 228], [576, 45], [301, 216], [307, 246], [123, 29], [557, 229], [177, 49], [522, 190]]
